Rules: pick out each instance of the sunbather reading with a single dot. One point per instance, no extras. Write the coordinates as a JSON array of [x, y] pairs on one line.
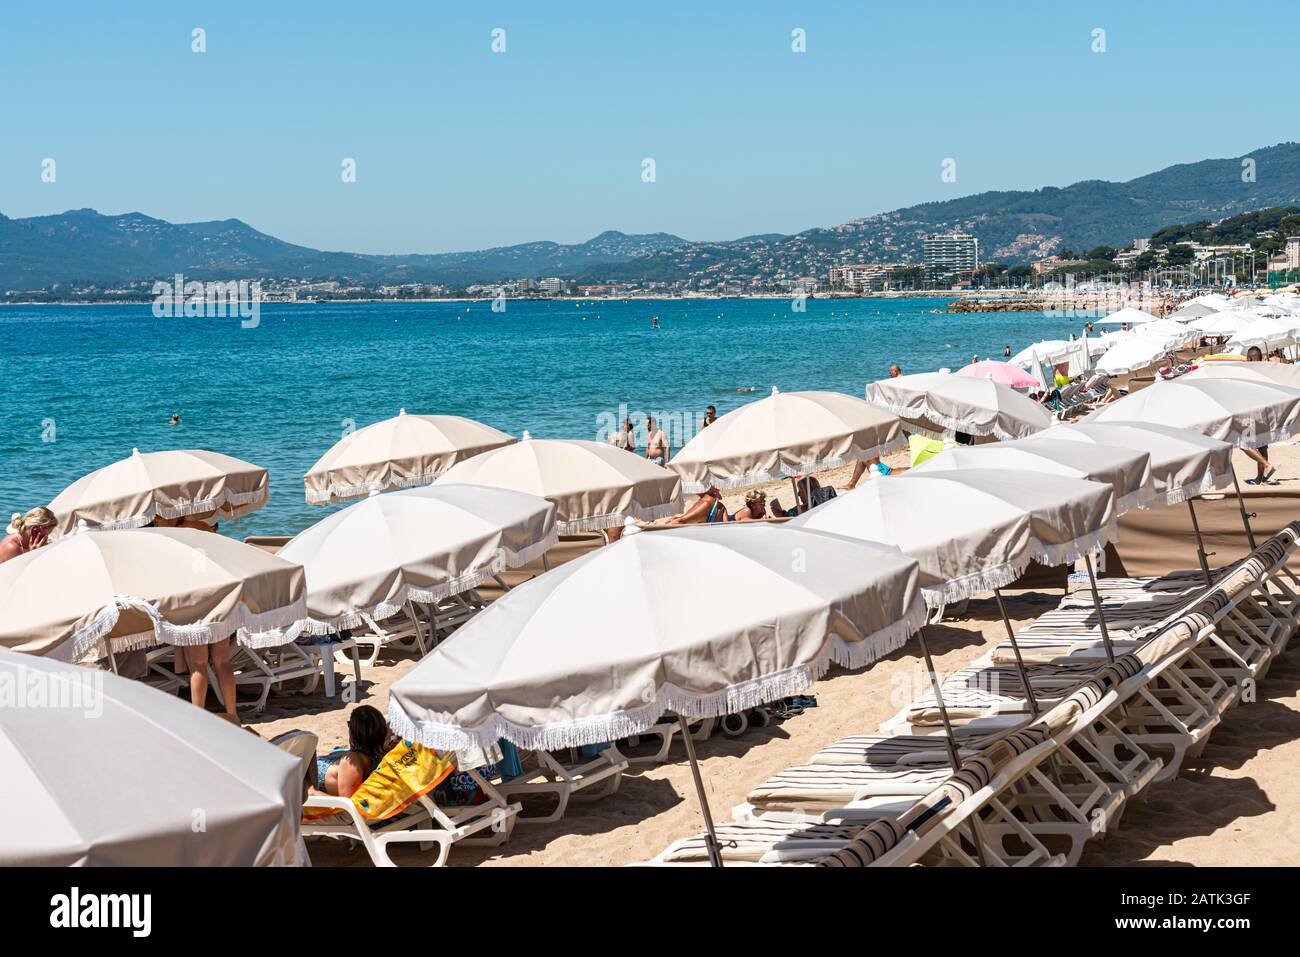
[[344, 770]]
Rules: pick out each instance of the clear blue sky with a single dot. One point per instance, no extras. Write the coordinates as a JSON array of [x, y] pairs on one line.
[[460, 148]]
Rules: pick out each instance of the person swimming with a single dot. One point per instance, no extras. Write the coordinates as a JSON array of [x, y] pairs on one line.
[[176, 418], [654, 322]]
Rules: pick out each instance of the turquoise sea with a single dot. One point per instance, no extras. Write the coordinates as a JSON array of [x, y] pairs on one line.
[[83, 385]]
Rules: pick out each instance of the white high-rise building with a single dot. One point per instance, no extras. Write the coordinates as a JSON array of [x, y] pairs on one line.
[[1293, 252], [948, 253]]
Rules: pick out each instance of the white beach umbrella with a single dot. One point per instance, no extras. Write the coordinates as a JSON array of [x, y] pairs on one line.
[[933, 402], [133, 491], [1127, 471], [1048, 350], [162, 767], [1266, 333], [1223, 323], [138, 587], [973, 530], [1247, 414], [1193, 310], [1130, 355], [423, 544], [593, 485], [787, 433], [1038, 372], [1127, 315], [1080, 358], [400, 452], [604, 645]]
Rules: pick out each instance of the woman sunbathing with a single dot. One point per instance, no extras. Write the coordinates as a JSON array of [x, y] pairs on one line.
[[706, 509], [344, 770]]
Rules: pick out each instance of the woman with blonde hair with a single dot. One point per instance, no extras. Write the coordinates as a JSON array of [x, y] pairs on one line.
[[27, 532]]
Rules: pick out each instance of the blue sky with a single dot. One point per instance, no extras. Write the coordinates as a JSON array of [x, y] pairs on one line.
[[460, 148]]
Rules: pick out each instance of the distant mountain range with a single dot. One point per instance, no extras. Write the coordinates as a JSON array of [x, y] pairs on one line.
[[82, 247]]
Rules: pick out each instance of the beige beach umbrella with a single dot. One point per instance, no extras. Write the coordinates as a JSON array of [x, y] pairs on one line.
[[1281, 373], [105, 771], [593, 485], [785, 434], [422, 545], [400, 452], [933, 402], [1244, 413], [138, 587], [1183, 464], [1131, 354], [1127, 471], [1047, 350], [973, 531], [133, 491], [603, 646]]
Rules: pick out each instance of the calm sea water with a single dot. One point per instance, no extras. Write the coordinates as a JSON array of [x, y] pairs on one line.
[[83, 385]]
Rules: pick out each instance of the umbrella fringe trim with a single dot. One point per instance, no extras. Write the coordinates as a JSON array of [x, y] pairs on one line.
[[1072, 551], [503, 559], [227, 500], [601, 729], [598, 523], [255, 629], [968, 586], [333, 493], [783, 471], [903, 412], [1212, 482]]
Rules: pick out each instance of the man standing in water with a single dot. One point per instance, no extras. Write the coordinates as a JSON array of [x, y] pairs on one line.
[[656, 445], [710, 415]]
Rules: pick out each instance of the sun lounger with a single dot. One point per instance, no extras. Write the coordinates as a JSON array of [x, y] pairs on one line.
[[545, 774], [397, 805]]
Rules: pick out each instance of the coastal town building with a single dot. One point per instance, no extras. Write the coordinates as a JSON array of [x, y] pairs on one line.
[[859, 276], [1293, 252], [948, 253]]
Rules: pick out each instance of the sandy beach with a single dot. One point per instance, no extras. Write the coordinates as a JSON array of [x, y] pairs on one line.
[[1235, 806]]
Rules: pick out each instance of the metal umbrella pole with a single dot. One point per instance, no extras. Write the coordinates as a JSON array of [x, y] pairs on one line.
[[1015, 646], [710, 836], [954, 754], [1101, 615], [1201, 554], [1241, 505]]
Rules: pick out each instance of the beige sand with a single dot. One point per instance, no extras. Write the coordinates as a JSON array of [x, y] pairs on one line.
[[1239, 806]]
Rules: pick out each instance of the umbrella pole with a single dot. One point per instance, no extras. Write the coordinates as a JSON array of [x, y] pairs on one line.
[[1241, 504], [953, 753], [546, 566], [112, 658], [1101, 615], [711, 836], [500, 581], [1015, 646], [1200, 545]]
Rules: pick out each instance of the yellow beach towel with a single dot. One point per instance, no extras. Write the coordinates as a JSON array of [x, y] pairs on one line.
[[407, 772], [923, 447]]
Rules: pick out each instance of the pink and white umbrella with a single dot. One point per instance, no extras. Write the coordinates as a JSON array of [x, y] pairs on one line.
[[1003, 373]]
